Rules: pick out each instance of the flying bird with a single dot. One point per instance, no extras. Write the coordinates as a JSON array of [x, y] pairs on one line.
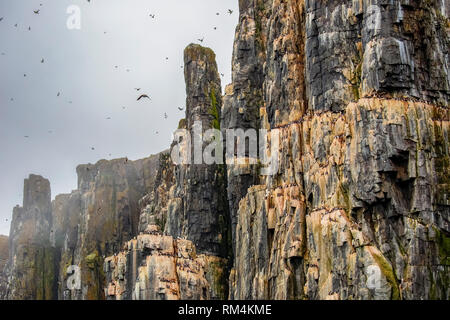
[[180, 108], [143, 96], [42, 61], [201, 40], [137, 89], [92, 148], [1, 18], [109, 118], [59, 93], [152, 16], [230, 11], [36, 11]]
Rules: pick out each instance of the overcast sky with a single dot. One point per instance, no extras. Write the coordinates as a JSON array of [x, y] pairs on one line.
[[80, 64]]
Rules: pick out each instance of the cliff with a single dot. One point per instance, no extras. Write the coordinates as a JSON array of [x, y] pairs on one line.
[[4, 254], [352, 100], [358, 93], [182, 250]]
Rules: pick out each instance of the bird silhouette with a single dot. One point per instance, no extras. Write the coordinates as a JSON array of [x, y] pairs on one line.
[[143, 96], [180, 108], [59, 93], [230, 11], [92, 148], [42, 61], [1, 19], [152, 16], [137, 89], [201, 40], [36, 11]]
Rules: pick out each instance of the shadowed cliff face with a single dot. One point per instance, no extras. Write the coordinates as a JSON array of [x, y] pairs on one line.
[[77, 229], [32, 259], [183, 245], [4, 254], [362, 183], [97, 219]]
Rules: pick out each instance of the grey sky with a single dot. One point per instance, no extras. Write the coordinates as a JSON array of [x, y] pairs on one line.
[[80, 64]]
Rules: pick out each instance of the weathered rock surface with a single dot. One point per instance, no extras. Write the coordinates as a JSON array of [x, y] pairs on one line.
[[361, 192], [188, 205], [4, 255], [358, 207], [32, 259], [203, 185], [98, 218], [158, 267]]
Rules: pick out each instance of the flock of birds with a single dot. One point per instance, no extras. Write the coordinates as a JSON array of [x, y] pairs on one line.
[[141, 97]]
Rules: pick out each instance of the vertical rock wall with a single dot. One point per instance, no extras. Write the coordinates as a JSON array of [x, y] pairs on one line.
[[358, 92], [183, 245], [4, 255], [32, 258], [358, 208]]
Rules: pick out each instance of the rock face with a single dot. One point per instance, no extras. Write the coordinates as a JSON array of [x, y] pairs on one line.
[[359, 207], [98, 218], [32, 258], [356, 94], [188, 205], [158, 267], [50, 240], [4, 254]]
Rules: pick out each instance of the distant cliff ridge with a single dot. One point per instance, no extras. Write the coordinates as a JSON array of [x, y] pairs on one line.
[[358, 207]]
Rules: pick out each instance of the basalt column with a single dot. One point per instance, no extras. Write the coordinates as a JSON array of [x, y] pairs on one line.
[[205, 203]]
